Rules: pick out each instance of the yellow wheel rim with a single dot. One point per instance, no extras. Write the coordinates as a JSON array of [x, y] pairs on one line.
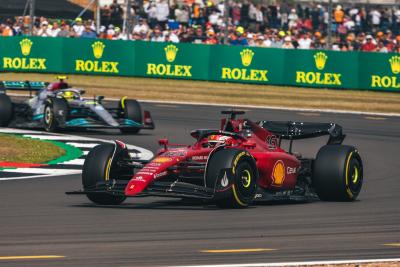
[[355, 175], [246, 178]]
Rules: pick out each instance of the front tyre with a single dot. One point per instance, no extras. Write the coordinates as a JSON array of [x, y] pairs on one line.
[[55, 111], [132, 111], [233, 175], [96, 169], [338, 173]]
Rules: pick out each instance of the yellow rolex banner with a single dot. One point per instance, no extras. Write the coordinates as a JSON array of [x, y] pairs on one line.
[[246, 64], [31, 54], [241, 64], [326, 69], [380, 71], [98, 56], [169, 60]]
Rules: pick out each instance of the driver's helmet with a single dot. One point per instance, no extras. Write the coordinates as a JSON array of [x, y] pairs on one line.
[[218, 140], [68, 95]]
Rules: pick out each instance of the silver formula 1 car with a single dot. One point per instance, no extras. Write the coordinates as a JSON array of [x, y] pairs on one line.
[[57, 109]]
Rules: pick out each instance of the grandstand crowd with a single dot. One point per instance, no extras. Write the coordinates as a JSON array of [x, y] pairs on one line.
[[298, 26]]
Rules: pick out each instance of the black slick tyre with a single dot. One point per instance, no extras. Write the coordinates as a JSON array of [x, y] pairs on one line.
[[132, 111], [96, 169], [6, 110], [55, 110], [338, 173], [233, 175]]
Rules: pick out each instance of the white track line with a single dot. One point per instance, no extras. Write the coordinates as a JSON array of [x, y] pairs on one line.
[[304, 263], [82, 145], [74, 161], [70, 172], [41, 171]]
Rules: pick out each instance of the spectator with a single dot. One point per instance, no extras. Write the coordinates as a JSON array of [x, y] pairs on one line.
[[237, 38], [55, 30], [369, 45], [44, 30], [65, 31], [162, 12], [288, 43], [88, 32], [116, 13]]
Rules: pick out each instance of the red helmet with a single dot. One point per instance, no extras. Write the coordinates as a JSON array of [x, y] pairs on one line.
[[217, 140]]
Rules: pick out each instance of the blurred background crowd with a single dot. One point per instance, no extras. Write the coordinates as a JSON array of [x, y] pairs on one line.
[[282, 24]]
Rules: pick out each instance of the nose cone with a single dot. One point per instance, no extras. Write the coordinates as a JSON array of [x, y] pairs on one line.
[[136, 185]]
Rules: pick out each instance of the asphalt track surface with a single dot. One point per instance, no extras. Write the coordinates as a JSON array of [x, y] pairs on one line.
[[37, 218]]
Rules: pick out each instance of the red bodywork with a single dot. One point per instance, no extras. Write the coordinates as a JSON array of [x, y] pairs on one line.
[[277, 169]]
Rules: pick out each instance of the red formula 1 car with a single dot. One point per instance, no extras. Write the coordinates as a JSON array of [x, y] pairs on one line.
[[233, 166]]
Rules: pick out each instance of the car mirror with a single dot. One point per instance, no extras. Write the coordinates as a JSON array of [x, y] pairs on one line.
[[163, 142], [99, 98]]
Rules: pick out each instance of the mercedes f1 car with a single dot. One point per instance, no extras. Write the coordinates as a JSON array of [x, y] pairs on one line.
[[56, 106], [233, 166]]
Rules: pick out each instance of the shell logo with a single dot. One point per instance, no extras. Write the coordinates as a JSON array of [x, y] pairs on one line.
[[278, 173], [162, 160]]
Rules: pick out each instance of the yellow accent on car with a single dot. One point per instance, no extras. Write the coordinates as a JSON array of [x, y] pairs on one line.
[[347, 175], [107, 174], [246, 178], [355, 179], [123, 102], [235, 195]]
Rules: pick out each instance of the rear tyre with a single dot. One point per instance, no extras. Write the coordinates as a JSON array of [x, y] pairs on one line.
[[55, 110], [338, 173], [6, 110], [132, 111], [96, 169], [233, 174]]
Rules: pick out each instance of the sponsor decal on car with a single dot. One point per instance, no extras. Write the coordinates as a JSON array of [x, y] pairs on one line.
[[160, 174], [290, 170], [200, 158], [162, 159], [224, 181], [278, 173], [272, 142]]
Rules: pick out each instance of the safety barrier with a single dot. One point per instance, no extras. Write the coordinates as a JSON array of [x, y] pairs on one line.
[[311, 68]]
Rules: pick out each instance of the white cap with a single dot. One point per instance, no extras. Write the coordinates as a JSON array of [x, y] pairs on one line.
[[369, 37], [288, 39]]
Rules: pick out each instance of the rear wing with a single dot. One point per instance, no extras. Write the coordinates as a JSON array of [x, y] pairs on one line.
[[22, 85], [290, 130]]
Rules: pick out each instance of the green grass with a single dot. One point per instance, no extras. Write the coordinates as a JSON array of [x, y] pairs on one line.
[[14, 148], [226, 93]]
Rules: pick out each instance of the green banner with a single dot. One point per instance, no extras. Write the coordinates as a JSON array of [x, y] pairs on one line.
[[31, 54], [94, 56], [246, 64], [327, 69], [309, 68], [380, 72], [168, 60]]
